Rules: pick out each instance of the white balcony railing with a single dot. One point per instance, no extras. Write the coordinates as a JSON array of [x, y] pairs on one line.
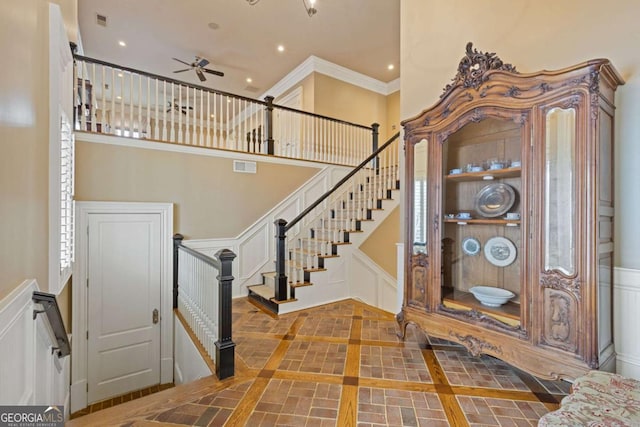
[[116, 100]]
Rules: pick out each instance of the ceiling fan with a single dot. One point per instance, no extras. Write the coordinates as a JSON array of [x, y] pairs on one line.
[[198, 65], [182, 108]]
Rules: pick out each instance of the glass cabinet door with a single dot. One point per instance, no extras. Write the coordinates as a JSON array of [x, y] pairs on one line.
[[420, 198], [559, 191], [481, 233]]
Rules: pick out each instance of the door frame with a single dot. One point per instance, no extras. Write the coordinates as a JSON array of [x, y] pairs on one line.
[[79, 322]]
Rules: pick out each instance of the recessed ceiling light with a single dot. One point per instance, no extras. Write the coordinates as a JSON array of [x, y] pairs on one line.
[[249, 80], [213, 116], [390, 67], [280, 48], [122, 43], [118, 97]]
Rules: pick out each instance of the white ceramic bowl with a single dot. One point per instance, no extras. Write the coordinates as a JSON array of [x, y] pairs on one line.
[[490, 296]]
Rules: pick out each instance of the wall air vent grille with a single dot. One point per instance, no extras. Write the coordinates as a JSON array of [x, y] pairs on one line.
[[101, 20], [244, 167]]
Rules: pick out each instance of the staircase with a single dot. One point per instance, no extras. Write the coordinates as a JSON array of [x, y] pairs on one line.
[[327, 231]]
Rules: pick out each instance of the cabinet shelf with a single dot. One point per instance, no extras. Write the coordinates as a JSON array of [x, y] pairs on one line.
[[484, 175], [501, 221], [508, 313]]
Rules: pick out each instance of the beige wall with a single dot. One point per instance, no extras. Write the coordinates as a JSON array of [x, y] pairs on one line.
[[381, 244], [344, 101], [393, 113], [534, 35], [211, 201], [69, 9], [24, 132], [307, 85]]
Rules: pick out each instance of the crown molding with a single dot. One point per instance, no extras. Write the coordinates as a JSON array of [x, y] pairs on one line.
[[393, 86], [318, 65]]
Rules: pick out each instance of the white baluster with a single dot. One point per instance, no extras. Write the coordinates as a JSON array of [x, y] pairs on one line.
[[83, 102], [139, 127], [194, 118], [112, 113], [92, 102], [131, 119], [173, 109]]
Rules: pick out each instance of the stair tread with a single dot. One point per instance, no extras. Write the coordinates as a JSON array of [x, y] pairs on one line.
[[264, 291], [300, 284]]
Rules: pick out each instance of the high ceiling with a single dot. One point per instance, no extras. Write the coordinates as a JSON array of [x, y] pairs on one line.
[[362, 35]]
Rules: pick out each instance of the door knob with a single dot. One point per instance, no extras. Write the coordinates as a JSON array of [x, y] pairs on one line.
[[155, 316]]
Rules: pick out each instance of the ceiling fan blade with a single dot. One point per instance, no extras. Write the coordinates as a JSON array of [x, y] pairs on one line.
[[217, 73], [181, 71], [200, 75], [202, 63], [181, 61]]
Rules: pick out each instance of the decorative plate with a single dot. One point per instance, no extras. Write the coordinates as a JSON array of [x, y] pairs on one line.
[[471, 246], [494, 200], [500, 251]]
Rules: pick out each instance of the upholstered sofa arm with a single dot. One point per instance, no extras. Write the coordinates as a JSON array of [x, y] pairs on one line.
[[598, 398]]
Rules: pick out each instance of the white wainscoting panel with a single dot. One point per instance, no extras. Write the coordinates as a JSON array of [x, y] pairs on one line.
[[189, 365], [254, 251], [30, 374], [371, 284], [626, 312]]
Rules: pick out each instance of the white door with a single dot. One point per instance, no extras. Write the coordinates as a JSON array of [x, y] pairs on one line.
[[124, 271]]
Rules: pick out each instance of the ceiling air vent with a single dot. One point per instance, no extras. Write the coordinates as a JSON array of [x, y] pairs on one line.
[[250, 88], [101, 20], [244, 167]]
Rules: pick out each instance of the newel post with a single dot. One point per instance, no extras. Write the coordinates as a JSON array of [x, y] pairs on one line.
[[269, 124], [225, 347], [281, 278], [375, 131], [177, 241]]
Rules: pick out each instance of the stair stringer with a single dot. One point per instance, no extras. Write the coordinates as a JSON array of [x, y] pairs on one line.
[[337, 282]]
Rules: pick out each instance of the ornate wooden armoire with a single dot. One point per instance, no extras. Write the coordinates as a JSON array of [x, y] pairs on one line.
[[509, 197]]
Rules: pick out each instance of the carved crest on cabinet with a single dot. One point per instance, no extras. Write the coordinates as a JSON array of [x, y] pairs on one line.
[[553, 280], [473, 68], [475, 345]]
